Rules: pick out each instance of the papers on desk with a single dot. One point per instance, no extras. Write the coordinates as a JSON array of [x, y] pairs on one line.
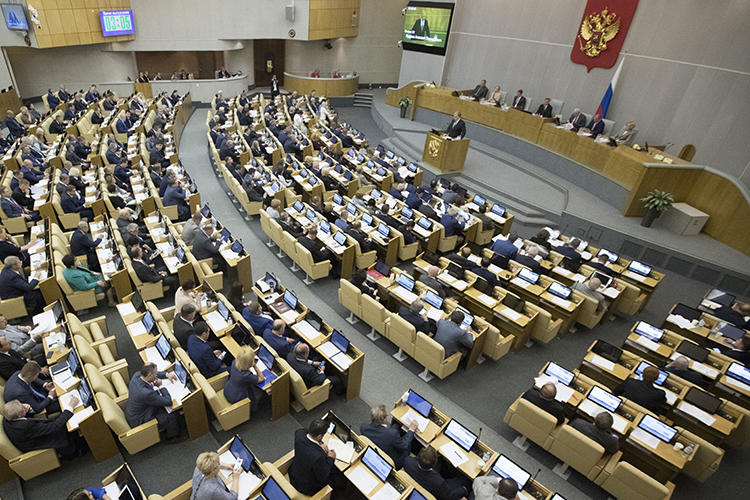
[[495, 269], [341, 360], [263, 286], [680, 321], [227, 458], [696, 413], [215, 321], [44, 322], [404, 294], [306, 331], [153, 356], [171, 261], [387, 492], [54, 340], [634, 276], [454, 454], [176, 390], [647, 343], [39, 245], [520, 282], [247, 484], [611, 292], [329, 349], [487, 300], [460, 285], [78, 416], [563, 271], [736, 383], [65, 380], [411, 416], [671, 396], [153, 219], [475, 258], [448, 278], [365, 481], [559, 301], [602, 363], [645, 438], [586, 255], [136, 329], [344, 451], [164, 247], [434, 314], [704, 370], [65, 400], [108, 268], [112, 490], [290, 316]]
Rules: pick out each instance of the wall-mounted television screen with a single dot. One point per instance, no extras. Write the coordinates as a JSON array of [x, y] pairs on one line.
[[15, 17], [117, 22], [426, 26]]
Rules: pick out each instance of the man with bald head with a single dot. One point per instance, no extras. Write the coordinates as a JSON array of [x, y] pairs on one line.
[[600, 431], [544, 398], [590, 289], [680, 367], [430, 279], [643, 391], [311, 371], [274, 336], [495, 488]]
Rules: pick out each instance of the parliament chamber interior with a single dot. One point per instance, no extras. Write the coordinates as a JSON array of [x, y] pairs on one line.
[[393, 249]]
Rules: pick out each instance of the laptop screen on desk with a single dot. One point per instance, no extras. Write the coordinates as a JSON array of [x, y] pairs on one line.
[[433, 299], [739, 372], [610, 255], [310, 214], [163, 346], [418, 403], [460, 435], [237, 247], [528, 275], [604, 278], [340, 238], [85, 392], [148, 321], [649, 331], [324, 226], [337, 199], [240, 452], [564, 376], [272, 490], [657, 428], [659, 380], [180, 253], [225, 234], [505, 467], [425, 222], [137, 301], [557, 289], [265, 356], [604, 398], [720, 297], [180, 371], [468, 318], [298, 206], [405, 282], [376, 194], [73, 362], [271, 281], [384, 230], [338, 339], [730, 331], [367, 219], [205, 211], [415, 495], [290, 299], [351, 208], [692, 351], [686, 312], [703, 400], [607, 351], [498, 210], [407, 212], [478, 200], [376, 464], [223, 310]]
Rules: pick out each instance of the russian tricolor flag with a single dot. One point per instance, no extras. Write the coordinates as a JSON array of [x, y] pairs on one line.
[[604, 105]]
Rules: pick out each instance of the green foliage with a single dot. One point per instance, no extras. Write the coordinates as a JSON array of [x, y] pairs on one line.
[[405, 102], [658, 200]]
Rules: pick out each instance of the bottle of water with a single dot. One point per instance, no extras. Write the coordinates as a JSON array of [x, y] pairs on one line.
[[486, 456]]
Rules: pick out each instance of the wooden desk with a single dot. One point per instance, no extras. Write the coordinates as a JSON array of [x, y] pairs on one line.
[[432, 429], [447, 155]]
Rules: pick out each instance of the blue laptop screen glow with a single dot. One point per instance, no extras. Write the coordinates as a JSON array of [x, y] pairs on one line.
[[376, 464], [433, 299], [657, 428], [739, 372], [528, 275], [338, 339], [351, 208], [425, 223], [73, 361], [223, 310], [324, 226], [559, 290], [290, 299], [163, 346], [460, 434], [564, 376], [405, 282], [340, 238], [610, 255], [478, 200], [649, 331], [272, 491], [505, 467], [148, 321], [406, 212], [604, 398], [498, 210], [659, 380], [383, 229], [420, 405], [639, 268], [240, 452]]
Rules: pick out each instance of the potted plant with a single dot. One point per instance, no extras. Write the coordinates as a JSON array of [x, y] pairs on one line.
[[655, 202], [404, 104]]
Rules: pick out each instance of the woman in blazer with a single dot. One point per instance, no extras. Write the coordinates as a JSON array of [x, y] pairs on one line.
[[244, 377]]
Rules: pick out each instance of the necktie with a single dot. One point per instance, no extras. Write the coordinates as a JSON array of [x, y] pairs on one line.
[[37, 393]]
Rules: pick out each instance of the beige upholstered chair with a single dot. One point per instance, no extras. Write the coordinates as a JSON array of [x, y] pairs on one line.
[[228, 414], [431, 355], [706, 459], [313, 270], [623, 480], [350, 297], [532, 422], [133, 439], [403, 334], [496, 344], [578, 451], [279, 471], [308, 398], [374, 314]]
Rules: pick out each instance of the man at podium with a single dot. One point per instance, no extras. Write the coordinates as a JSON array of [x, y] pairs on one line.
[[457, 127]]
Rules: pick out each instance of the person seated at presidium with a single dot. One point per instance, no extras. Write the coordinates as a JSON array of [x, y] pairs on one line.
[[519, 101], [545, 109], [594, 127], [480, 91], [627, 134]]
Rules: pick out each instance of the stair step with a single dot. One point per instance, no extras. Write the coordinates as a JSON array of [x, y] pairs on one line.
[[359, 105]]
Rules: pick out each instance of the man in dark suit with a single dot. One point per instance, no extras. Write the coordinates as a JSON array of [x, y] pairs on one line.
[[175, 195], [12, 208], [529, 261], [30, 173], [93, 94], [457, 127], [462, 258], [452, 337], [519, 101], [430, 279], [577, 119], [25, 386], [10, 361], [184, 324], [207, 360], [13, 284], [355, 231], [414, 200], [421, 27], [147, 273], [206, 246], [258, 320], [734, 314], [313, 465], [599, 431], [57, 126], [70, 113], [413, 316], [274, 336], [310, 371], [569, 250], [599, 263], [452, 223], [424, 470], [595, 126], [485, 273], [28, 434], [388, 438], [52, 100], [82, 244], [544, 398], [147, 399], [427, 209], [643, 391], [545, 109], [112, 155], [383, 216], [121, 125], [15, 128], [480, 91], [317, 249], [72, 202], [680, 367]]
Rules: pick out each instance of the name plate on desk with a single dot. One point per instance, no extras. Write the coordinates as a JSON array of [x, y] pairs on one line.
[[510, 313], [602, 363], [647, 343], [520, 282], [696, 413]]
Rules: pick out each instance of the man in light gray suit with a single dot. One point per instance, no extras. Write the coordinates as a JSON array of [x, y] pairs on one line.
[[577, 119], [452, 337]]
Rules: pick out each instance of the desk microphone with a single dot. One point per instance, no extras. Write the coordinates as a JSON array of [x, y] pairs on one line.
[[479, 434], [533, 478]]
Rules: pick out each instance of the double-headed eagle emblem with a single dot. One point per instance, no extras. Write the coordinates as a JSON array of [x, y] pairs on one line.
[[596, 30]]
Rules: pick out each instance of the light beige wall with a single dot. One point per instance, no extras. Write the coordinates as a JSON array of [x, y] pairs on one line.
[[36, 70], [373, 53], [241, 60], [686, 76]]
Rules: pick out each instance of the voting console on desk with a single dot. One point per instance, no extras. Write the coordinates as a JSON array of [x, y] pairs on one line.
[[447, 155]]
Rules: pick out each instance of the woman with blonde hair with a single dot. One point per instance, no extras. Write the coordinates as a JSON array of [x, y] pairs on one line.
[[244, 377], [206, 482]]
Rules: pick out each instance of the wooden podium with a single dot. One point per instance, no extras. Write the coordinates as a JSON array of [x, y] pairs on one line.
[[447, 155]]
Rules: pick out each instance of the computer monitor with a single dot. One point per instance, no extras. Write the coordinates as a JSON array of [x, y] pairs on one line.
[[415, 495], [225, 234], [85, 392], [57, 310], [272, 490], [340, 238], [528, 275], [482, 285], [607, 351], [223, 310], [298, 206], [337, 199], [412, 167], [128, 492], [348, 175], [649, 331], [687, 312], [338, 339], [405, 281], [310, 214], [605, 279], [304, 173], [557, 289], [181, 373], [401, 160], [271, 281], [351, 153], [739, 372], [383, 268], [418, 403], [351, 208], [433, 299], [325, 227], [290, 299], [237, 247], [240, 452], [425, 223], [468, 318], [371, 164], [407, 212], [367, 219], [505, 467], [163, 346], [604, 398], [384, 229], [312, 180], [703, 400], [206, 212], [692, 351], [720, 297], [659, 379], [610, 255], [389, 155], [180, 253], [275, 187], [564, 376], [376, 194], [462, 436], [265, 356], [148, 322], [729, 331], [478, 200], [377, 464], [639, 268], [498, 210], [73, 361], [657, 428]]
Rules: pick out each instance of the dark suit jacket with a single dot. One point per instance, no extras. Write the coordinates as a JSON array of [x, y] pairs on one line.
[[422, 325], [577, 121], [545, 110], [456, 129], [488, 275], [57, 128], [642, 393], [519, 102], [529, 262], [203, 357], [432, 481], [29, 434], [10, 363], [182, 330], [390, 440], [596, 128], [461, 260], [82, 244], [11, 209], [608, 440], [240, 384], [144, 403], [421, 28], [428, 211], [554, 408], [317, 249], [310, 375], [451, 224], [14, 285], [71, 204], [480, 92], [311, 468], [688, 375], [205, 246], [15, 388], [146, 273]]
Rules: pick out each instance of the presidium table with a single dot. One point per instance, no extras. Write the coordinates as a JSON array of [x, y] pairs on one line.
[[444, 153]]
